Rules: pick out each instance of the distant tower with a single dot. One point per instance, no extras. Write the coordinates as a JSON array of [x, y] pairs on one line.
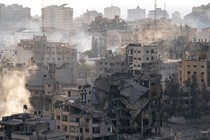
[[164, 10], [43, 17], [155, 11]]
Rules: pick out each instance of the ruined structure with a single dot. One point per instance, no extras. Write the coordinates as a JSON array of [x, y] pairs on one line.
[[28, 126], [110, 64], [38, 51], [131, 103], [81, 122]]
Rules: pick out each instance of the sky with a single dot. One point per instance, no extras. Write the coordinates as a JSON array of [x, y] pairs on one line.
[[80, 6]]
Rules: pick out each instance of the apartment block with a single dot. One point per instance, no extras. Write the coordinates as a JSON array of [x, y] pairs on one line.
[[136, 14], [85, 94], [14, 16], [139, 57], [110, 64], [111, 12], [199, 68], [158, 13], [58, 17], [81, 122], [90, 16]]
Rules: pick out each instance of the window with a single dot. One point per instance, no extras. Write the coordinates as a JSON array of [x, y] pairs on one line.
[[87, 130], [139, 58], [202, 66], [152, 51], [64, 128], [188, 65], [69, 93], [194, 66], [96, 130], [147, 58], [58, 117], [58, 127], [139, 51], [65, 118]]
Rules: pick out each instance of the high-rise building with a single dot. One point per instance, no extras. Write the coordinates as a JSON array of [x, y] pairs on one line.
[[158, 14], [59, 17], [90, 16], [111, 12], [199, 17], [14, 16], [135, 14], [176, 18]]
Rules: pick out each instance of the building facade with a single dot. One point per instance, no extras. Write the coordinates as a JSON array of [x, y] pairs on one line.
[[80, 122], [59, 17], [90, 16], [111, 12], [139, 57], [199, 68], [14, 16], [136, 14], [158, 14], [42, 53]]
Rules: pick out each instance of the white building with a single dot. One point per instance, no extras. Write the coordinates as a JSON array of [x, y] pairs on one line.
[[111, 12], [90, 16], [158, 14], [135, 14], [59, 17]]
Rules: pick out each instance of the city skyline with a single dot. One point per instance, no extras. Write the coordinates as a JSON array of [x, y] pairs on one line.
[[80, 7]]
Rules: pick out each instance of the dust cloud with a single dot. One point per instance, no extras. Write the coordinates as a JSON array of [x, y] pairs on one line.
[[13, 93]]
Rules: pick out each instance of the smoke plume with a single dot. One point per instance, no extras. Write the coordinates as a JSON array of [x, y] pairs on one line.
[[14, 94]]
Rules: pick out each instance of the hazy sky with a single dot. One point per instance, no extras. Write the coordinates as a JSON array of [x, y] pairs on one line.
[[80, 6]]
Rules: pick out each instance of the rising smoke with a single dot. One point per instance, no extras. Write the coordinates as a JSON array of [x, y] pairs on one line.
[[14, 94], [82, 41]]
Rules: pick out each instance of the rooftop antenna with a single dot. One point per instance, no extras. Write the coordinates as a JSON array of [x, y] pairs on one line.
[[43, 17], [164, 10], [155, 11]]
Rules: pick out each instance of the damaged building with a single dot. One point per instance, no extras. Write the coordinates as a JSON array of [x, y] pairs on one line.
[[131, 103], [41, 52], [82, 123], [26, 126]]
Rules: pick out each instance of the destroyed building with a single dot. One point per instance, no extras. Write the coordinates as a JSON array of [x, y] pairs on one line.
[[38, 51], [26, 126], [110, 64], [131, 103], [81, 122]]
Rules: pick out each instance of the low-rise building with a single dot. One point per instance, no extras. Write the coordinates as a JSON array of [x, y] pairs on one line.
[[29, 127], [199, 68]]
